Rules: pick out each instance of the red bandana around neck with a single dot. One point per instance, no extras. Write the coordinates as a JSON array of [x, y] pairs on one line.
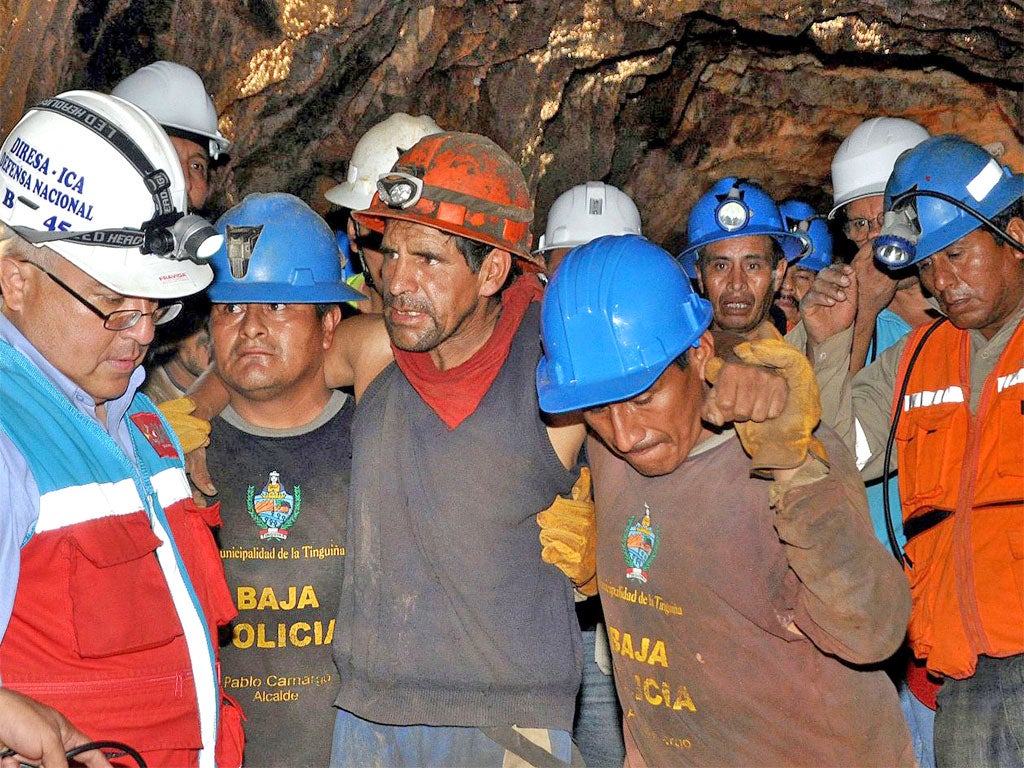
[[454, 394]]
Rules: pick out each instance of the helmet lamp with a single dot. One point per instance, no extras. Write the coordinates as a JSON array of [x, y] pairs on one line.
[[732, 214], [895, 246], [399, 190]]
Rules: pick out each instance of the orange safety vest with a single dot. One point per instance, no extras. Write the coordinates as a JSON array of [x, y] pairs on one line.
[[962, 491]]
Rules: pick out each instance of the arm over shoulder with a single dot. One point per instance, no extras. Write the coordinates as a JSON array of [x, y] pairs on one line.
[[360, 351], [566, 436]]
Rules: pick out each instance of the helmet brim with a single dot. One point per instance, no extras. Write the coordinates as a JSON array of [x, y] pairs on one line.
[[345, 196], [555, 398], [533, 262], [852, 197], [782, 237], [129, 273], [282, 293]]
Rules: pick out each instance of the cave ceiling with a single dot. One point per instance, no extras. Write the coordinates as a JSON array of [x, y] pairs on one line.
[[659, 98]]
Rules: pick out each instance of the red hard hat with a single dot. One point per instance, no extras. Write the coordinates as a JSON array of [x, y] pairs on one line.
[[461, 183]]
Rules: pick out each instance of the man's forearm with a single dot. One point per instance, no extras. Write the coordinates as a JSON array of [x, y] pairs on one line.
[[852, 598], [863, 333], [209, 394], [830, 360]]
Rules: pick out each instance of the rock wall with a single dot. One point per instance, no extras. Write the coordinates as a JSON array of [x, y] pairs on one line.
[[659, 97]]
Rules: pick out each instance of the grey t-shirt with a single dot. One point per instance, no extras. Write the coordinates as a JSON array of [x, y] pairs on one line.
[[283, 497], [700, 578]]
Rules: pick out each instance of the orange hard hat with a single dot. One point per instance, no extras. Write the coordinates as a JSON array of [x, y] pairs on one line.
[[461, 183]]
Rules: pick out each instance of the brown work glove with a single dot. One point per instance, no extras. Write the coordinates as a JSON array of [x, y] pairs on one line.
[[192, 431], [782, 442], [568, 535]]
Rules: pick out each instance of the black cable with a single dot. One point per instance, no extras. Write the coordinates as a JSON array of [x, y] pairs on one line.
[[985, 220], [890, 528], [111, 749]]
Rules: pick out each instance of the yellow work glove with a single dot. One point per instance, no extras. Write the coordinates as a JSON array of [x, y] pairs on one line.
[[192, 431], [568, 535], [784, 441]]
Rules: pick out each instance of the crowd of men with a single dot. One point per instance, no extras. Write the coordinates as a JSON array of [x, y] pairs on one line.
[[576, 501]]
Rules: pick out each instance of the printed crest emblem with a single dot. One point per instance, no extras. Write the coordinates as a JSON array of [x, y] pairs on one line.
[[273, 509], [640, 545], [152, 429]]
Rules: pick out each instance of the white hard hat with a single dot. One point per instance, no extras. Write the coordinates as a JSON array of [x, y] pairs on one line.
[[864, 160], [96, 179], [588, 211], [176, 98], [374, 155]]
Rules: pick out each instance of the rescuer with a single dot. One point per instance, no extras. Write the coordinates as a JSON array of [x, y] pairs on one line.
[[954, 388], [110, 585]]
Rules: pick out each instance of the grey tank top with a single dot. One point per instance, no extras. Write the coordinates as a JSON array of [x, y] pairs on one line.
[[448, 615]]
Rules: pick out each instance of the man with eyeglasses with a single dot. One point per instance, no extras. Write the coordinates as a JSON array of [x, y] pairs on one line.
[[945, 403], [890, 303], [110, 583]]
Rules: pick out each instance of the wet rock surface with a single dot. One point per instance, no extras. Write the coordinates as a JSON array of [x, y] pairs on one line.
[[657, 97]]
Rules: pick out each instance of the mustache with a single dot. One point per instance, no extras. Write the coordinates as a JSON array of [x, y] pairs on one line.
[[407, 304], [952, 298], [642, 445], [249, 347]]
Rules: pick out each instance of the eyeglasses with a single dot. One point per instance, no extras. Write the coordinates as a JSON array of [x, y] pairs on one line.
[[121, 319], [860, 229]]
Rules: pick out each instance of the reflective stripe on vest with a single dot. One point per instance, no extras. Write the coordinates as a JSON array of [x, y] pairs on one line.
[[88, 489], [962, 490]]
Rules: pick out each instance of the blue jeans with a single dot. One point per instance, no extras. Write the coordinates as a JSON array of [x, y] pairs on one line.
[[598, 727], [980, 721], [921, 721], [360, 743]]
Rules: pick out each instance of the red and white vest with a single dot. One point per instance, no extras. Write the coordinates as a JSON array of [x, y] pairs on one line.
[[121, 587]]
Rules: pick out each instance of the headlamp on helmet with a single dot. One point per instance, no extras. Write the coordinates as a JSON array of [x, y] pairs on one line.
[[241, 242], [732, 214], [462, 184], [736, 207], [170, 233], [901, 231], [940, 191], [399, 190], [180, 236], [277, 250], [896, 245]]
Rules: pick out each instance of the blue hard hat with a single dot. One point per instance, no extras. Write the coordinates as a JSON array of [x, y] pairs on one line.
[[798, 216], [277, 249], [615, 315], [953, 166], [345, 249], [736, 208], [688, 261]]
